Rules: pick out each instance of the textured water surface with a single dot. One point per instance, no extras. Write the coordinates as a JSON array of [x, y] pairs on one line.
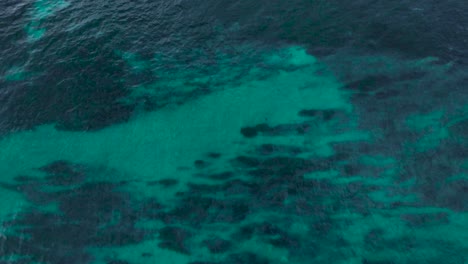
[[232, 132]]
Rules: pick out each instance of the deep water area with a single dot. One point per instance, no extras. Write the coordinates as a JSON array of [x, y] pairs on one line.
[[233, 132]]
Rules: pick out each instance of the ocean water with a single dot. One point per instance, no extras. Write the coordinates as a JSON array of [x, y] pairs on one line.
[[232, 132]]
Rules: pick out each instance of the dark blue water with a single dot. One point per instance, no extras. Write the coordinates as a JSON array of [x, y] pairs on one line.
[[209, 132]]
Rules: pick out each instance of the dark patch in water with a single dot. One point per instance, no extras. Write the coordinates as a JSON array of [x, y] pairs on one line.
[[24, 178], [214, 155], [418, 220], [163, 182], [204, 262], [217, 245], [118, 262], [246, 257], [89, 214], [63, 173], [284, 241], [244, 233], [250, 132], [386, 94], [247, 162], [374, 239], [239, 187], [175, 238], [151, 208], [460, 129], [220, 176], [326, 114], [366, 261], [370, 83], [196, 210], [200, 164], [269, 149], [85, 101], [279, 130]]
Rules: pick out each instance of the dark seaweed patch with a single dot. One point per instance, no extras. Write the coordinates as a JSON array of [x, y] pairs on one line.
[[118, 262], [217, 245], [244, 233], [63, 173], [266, 149], [369, 83], [367, 261], [199, 164], [197, 210], [204, 262], [309, 112], [284, 241], [24, 178], [85, 101], [269, 149], [281, 165], [408, 76], [386, 94], [220, 176], [460, 129], [289, 167], [151, 208], [267, 130], [246, 257], [60, 167], [238, 258], [163, 182], [175, 238], [237, 187], [245, 161], [325, 114], [204, 188], [375, 239], [146, 254], [214, 155], [250, 132], [268, 231], [90, 214], [351, 169], [417, 220]]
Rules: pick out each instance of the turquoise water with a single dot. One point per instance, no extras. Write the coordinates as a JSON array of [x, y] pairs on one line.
[[170, 133]]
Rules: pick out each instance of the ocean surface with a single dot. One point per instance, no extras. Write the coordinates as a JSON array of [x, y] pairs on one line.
[[233, 132]]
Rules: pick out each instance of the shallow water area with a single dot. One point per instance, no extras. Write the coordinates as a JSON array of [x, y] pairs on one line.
[[232, 132]]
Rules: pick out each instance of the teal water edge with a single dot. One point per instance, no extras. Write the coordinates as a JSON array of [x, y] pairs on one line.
[[232, 132]]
